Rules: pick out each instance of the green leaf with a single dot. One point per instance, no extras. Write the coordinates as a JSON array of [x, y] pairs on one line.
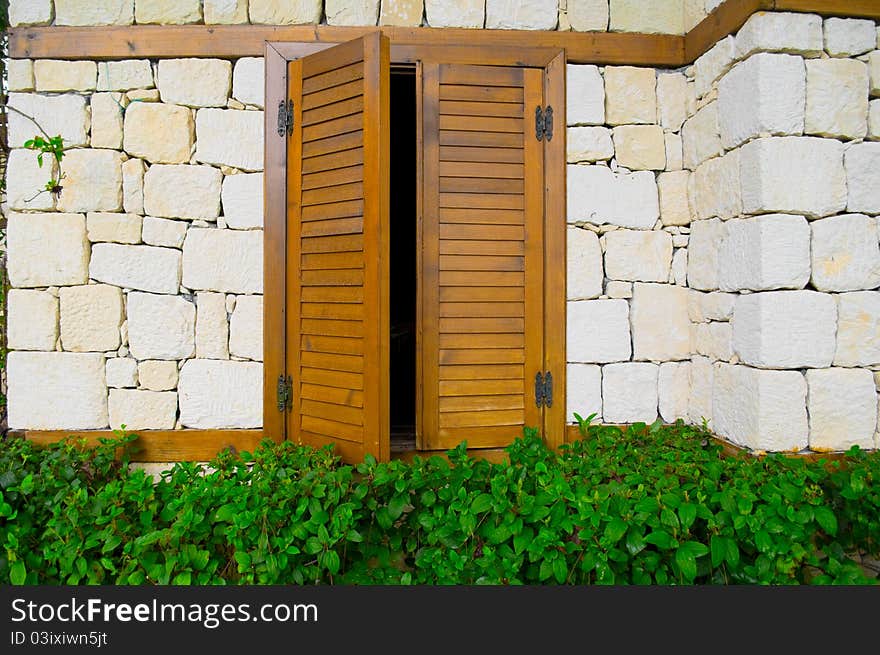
[[686, 562], [546, 569], [313, 546], [182, 578], [763, 541], [718, 546], [635, 542], [481, 503], [226, 513], [330, 561], [396, 506], [17, 573], [615, 530], [560, 570], [660, 538], [687, 514], [648, 505], [696, 548], [826, 519]]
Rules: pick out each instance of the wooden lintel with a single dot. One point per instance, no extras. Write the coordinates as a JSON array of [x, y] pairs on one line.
[[233, 41], [160, 445]]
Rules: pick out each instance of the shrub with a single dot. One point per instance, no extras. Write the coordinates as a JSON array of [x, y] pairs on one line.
[[652, 505]]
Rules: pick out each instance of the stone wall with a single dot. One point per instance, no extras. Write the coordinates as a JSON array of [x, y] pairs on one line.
[[654, 16], [136, 294], [723, 258], [784, 264]]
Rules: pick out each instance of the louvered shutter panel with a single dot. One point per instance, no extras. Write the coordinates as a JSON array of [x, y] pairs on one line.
[[482, 283], [337, 287]]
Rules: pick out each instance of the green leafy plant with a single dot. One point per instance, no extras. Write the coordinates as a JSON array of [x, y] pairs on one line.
[[652, 504]]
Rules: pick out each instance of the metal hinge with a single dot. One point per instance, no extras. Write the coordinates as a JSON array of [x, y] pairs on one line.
[[544, 123], [544, 389], [285, 118], [284, 393]]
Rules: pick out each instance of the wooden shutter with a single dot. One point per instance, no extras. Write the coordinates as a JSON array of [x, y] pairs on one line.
[[482, 285], [337, 289]]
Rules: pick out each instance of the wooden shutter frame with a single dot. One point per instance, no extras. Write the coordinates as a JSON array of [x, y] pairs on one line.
[[552, 60]]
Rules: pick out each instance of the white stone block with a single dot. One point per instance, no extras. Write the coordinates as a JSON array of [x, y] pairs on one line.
[[402, 13], [638, 255], [715, 306], [92, 181], [32, 320], [107, 110], [228, 137], [20, 74], [136, 267], [843, 409], [47, 250], [672, 100], [160, 327], [716, 187], [766, 252], [90, 318], [221, 394], [760, 96], [598, 331], [616, 289], [125, 75], [249, 80], [157, 375], [242, 198], [837, 98], [122, 372], [862, 163], [223, 260], [168, 12], [194, 82], [714, 63], [521, 14], [629, 393], [159, 133], [116, 228], [845, 253], [588, 15], [182, 191], [56, 391], [702, 378], [660, 325], [588, 144], [700, 136], [655, 17], [142, 410], [674, 205], [212, 327], [785, 329], [90, 12], [630, 95], [761, 410], [597, 195], [26, 180], [874, 120], [703, 249], [164, 232], [59, 75], [674, 152], [30, 12], [585, 274], [849, 37], [674, 389], [585, 97], [584, 391], [63, 115], [640, 147], [246, 328], [858, 332], [225, 12], [780, 32], [802, 175], [455, 13]]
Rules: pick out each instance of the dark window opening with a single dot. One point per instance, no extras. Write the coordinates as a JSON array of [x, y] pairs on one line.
[[403, 264]]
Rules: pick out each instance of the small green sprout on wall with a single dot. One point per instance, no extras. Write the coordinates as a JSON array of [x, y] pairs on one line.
[[53, 146]]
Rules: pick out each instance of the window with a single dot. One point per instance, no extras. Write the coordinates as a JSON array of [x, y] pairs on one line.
[[423, 292]]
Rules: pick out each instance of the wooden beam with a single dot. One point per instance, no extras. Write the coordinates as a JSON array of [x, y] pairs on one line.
[[160, 445], [233, 41], [726, 19]]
